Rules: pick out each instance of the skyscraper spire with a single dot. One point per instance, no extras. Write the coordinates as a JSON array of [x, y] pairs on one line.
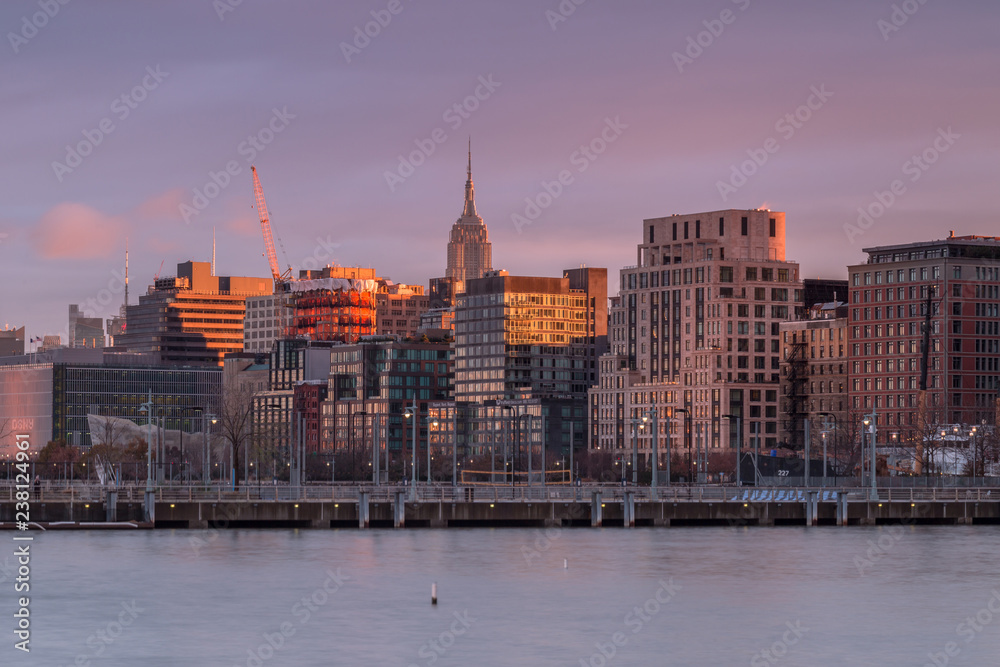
[[470, 253], [470, 191]]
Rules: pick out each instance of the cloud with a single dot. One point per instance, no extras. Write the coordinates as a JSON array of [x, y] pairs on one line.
[[162, 206], [77, 231]]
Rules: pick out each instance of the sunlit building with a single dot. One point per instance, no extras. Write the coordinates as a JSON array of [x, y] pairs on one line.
[[193, 318]]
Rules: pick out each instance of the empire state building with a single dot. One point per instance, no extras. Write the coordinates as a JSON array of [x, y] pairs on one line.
[[470, 253]]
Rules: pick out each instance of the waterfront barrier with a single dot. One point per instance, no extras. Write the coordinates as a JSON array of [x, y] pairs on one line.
[[371, 506]]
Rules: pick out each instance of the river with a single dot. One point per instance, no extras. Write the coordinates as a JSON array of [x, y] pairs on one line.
[[889, 595]]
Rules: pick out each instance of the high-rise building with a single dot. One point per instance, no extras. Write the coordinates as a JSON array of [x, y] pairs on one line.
[[470, 253], [11, 342], [700, 314], [193, 318], [399, 308], [520, 337], [814, 377], [370, 384], [335, 303], [957, 280], [84, 331], [53, 395], [261, 325]]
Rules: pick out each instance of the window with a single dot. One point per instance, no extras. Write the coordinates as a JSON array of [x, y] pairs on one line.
[[722, 227], [744, 224], [675, 231], [772, 228], [725, 274], [697, 229]]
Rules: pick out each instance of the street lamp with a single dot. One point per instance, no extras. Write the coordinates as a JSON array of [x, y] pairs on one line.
[[686, 431], [652, 412], [739, 443], [507, 438], [825, 430], [430, 422], [637, 425], [147, 409], [411, 413], [869, 426]]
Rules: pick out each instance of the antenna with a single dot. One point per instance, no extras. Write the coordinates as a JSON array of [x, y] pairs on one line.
[[126, 272]]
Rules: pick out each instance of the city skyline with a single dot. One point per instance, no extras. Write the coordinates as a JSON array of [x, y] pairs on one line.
[[685, 104]]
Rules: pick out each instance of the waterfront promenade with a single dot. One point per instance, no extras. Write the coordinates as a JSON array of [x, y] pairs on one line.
[[82, 505]]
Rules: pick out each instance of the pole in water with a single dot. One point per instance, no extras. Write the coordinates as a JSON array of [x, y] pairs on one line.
[[434, 593]]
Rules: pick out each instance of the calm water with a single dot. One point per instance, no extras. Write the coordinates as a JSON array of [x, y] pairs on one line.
[[819, 596]]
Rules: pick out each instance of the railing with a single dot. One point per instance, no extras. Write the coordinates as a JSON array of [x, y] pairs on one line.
[[94, 493]]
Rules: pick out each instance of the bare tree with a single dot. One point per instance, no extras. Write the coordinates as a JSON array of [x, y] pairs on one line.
[[235, 425]]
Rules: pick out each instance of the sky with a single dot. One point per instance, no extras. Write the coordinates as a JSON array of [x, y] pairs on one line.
[[866, 122]]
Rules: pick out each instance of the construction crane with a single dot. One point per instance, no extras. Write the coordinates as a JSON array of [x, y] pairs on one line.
[[283, 279], [265, 226]]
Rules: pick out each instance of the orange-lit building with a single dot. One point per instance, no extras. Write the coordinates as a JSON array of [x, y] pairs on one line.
[[334, 303], [193, 318]]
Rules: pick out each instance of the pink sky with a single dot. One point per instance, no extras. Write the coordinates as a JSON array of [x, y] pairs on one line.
[[196, 87]]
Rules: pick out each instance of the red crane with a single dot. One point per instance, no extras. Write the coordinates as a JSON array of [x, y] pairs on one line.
[[265, 226]]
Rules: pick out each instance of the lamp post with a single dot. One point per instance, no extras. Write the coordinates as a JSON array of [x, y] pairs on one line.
[[652, 413], [506, 442], [147, 408], [827, 417], [739, 444], [685, 431], [636, 425], [528, 443], [869, 426], [430, 422], [411, 413], [350, 426]]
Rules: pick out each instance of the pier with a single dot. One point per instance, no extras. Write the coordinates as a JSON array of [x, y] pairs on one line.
[[346, 506]]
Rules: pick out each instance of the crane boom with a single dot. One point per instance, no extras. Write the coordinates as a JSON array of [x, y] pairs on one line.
[[265, 226]]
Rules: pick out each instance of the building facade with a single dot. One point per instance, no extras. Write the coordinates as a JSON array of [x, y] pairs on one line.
[[195, 318], [949, 289], [261, 324], [50, 395], [527, 337], [84, 331], [699, 317], [332, 304], [399, 308], [814, 378], [470, 253]]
